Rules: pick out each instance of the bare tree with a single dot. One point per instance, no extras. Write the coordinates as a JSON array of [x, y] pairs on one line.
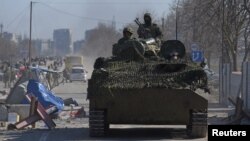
[[246, 6], [8, 49], [196, 23], [216, 25], [99, 41], [23, 46]]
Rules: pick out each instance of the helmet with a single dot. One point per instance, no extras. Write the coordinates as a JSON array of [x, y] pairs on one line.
[[128, 29], [147, 15]]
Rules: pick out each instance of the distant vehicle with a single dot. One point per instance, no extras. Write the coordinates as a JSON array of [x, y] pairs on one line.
[[77, 66], [73, 61], [78, 74]]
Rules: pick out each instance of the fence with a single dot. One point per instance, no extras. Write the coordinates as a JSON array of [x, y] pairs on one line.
[[230, 83], [246, 84]]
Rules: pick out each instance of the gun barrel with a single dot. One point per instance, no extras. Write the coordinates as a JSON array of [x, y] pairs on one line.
[[137, 22], [140, 26]]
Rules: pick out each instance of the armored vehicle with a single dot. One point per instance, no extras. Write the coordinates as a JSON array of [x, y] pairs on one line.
[[141, 84]]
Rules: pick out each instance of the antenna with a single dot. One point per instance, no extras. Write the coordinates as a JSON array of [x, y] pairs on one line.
[[162, 23], [176, 21], [30, 32]]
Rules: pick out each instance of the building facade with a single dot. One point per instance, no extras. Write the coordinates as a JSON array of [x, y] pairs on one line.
[[62, 41], [77, 46]]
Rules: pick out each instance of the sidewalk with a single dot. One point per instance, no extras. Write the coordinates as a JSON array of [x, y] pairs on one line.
[[219, 114]]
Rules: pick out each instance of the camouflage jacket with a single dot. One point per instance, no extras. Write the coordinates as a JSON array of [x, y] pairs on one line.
[[152, 31], [123, 40]]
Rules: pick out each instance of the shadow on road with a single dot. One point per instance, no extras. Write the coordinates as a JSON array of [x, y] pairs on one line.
[[69, 93], [148, 133], [77, 134]]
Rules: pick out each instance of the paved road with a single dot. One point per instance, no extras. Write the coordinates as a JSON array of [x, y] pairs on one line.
[[77, 129]]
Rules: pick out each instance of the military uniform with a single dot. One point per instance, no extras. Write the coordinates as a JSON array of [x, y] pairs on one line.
[[152, 31], [122, 40], [149, 29], [127, 35]]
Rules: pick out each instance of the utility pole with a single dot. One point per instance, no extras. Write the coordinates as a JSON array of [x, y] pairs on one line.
[[222, 38], [194, 26], [176, 21], [30, 32], [222, 77], [163, 23], [1, 29]]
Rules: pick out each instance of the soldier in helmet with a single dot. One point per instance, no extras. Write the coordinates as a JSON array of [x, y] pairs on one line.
[[149, 29], [127, 35]]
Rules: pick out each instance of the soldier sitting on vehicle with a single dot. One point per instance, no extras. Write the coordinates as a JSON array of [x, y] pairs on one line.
[[128, 48], [149, 29], [127, 35], [151, 35]]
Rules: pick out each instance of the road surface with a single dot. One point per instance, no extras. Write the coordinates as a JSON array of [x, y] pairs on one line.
[[70, 129]]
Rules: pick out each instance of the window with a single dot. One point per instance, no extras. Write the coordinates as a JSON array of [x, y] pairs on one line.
[[77, 71]]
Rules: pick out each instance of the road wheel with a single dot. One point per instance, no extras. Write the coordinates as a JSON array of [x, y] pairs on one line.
[[98, 125], [197, 127]]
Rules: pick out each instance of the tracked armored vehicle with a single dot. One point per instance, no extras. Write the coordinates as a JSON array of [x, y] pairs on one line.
[[138, 85]]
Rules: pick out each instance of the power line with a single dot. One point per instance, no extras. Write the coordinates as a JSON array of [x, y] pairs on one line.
[[14, 19], [105, 3], [19, 22], [80, 17]]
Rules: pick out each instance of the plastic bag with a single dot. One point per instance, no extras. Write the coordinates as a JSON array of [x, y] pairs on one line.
[[45, 96]]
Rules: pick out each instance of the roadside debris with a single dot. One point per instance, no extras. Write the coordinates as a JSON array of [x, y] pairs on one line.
[[40, 103], [70, 101], [3, 92], [39, 113], [241, 113], [44, 96], [72, 112]]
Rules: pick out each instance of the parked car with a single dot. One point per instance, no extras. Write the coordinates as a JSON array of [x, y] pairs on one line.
[[78, 74]]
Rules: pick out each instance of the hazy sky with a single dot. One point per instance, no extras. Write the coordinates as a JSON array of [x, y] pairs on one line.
[[78, 15]]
